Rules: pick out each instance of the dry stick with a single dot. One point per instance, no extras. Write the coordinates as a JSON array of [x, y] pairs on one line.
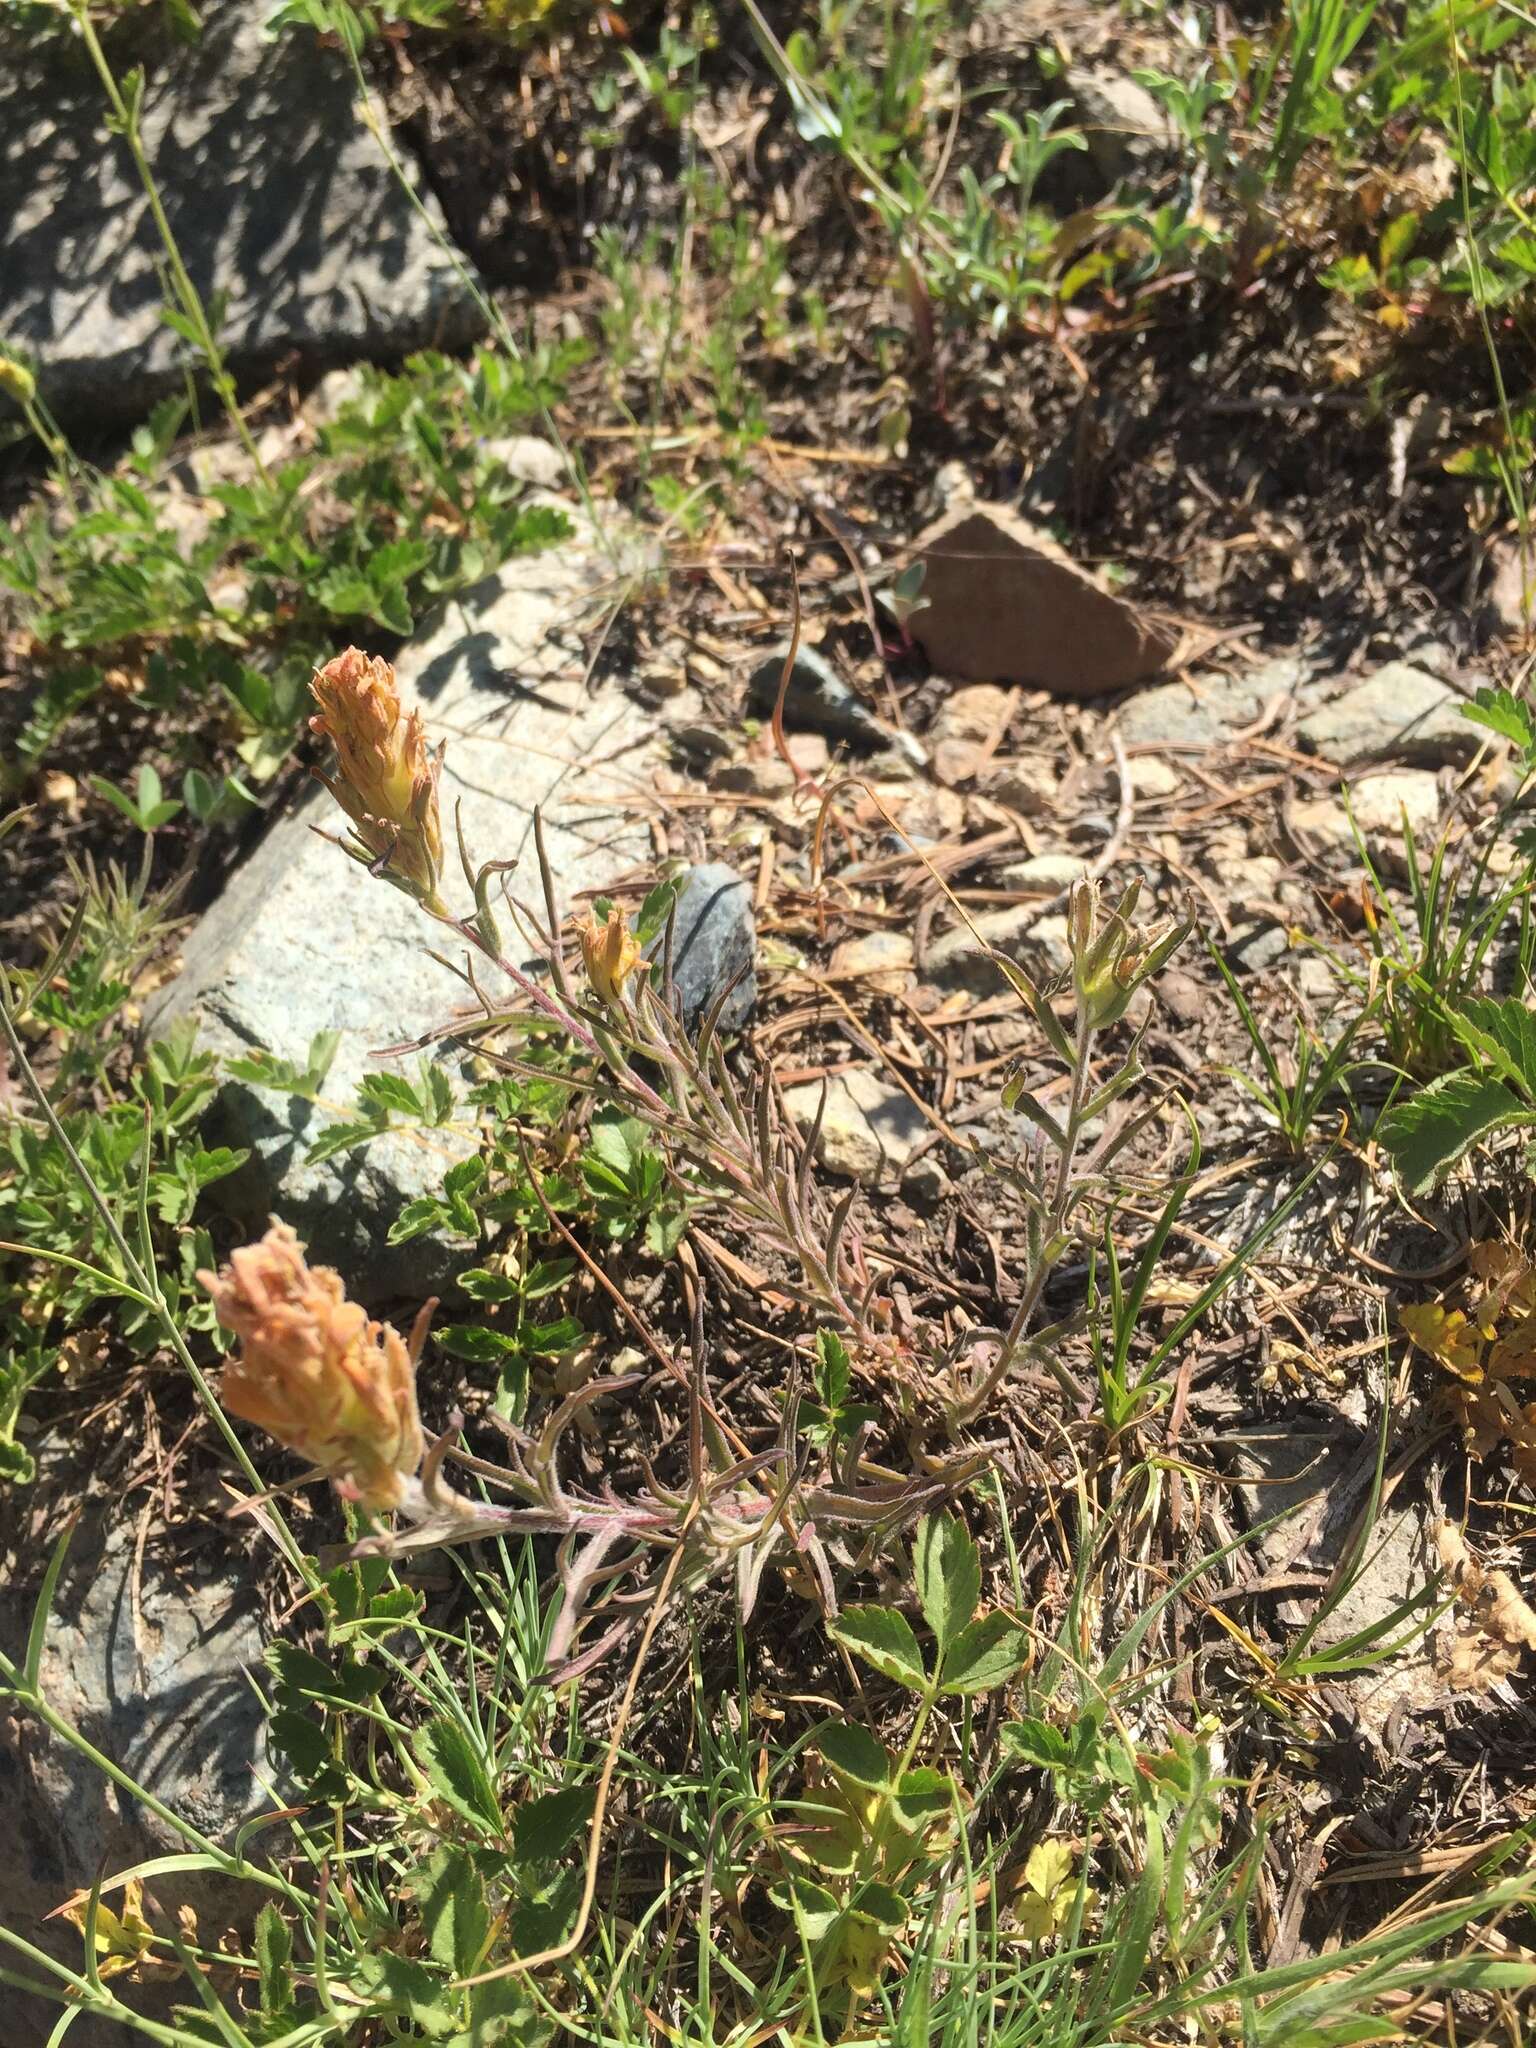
[[802, 778], [527, 1964], [867, 599], [862, 1037]]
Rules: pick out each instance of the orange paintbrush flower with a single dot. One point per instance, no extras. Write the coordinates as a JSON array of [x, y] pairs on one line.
[[386, 774], [316, 1373]]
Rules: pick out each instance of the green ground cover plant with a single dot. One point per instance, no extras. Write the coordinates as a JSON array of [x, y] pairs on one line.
[[725, 1623]]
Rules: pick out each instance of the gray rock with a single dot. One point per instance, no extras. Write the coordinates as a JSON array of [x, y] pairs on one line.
[[1379, 804], [1045, 874], [1398, 713], [1509, 596], [1203, 713], [530, 459], [1256, 945], [1153, 779], [925, 1183], [714, 941], [976, 712], [305, 940], [276, 193], [765, 777], [333, 392], [1252, 883], [705, 745], [1316, 1476], [881, 960], [1027, 783], [1317, 980], [1047, 945], [817, 700], [147, 1658], [1037, 943], [1126, 131], [866, 1127], [1438, 656]]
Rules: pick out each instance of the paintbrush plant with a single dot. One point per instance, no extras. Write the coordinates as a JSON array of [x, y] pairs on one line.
[[1112, 960]]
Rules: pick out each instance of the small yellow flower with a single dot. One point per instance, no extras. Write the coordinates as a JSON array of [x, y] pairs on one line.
[[386, 775], [17, 381], [316, 1373], [611, 954]]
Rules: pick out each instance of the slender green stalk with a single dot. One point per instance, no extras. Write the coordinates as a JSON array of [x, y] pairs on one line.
[[125, 120], [80, 1992], [51, 435], [1052, 1232]]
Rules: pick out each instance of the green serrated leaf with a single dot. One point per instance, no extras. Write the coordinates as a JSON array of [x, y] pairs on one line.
[[480, 1284], [474, 1342], [454, 1914], [1426, 1135], [391, 1092], [303, 1741], [923, 1797], [544, 1276], [464, 1178], [406, 1986], [984, 1655], [504, 2014], [834, 1372], [1506, 1031], [418, 1217], [545, 1913], [855, 1754], [664, 1231], [274, 1955], [1504, 713], [545, 1827], [1038, 1743], [440, 1087], [457, 1774], [814, 1905], [883, 1638], [948, 1570], [656, 908], [617, 1142], [346, 1137], [545, 1339], [347, 1683]]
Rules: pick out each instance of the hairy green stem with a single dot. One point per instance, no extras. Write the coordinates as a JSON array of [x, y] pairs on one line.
[[1015, 1335]]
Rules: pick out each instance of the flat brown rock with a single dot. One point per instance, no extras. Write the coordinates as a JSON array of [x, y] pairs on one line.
[[1005, 604]]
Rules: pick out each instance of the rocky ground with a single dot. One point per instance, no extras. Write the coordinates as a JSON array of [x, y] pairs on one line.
[[1182, 621]]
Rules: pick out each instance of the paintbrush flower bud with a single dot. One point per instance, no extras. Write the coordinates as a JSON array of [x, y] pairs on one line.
[[611, 954], [316, 1373], [386, 775], [1111, 957]]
